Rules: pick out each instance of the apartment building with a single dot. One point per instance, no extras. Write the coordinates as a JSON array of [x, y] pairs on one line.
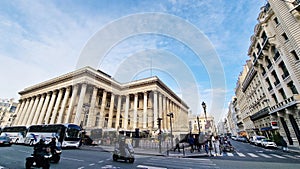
[[272, 84]]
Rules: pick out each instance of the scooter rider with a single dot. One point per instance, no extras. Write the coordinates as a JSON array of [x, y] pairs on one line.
[[52, 144], [40, 149], [122, 146]]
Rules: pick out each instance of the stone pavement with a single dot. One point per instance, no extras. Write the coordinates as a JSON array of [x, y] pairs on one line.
[[153, 152]]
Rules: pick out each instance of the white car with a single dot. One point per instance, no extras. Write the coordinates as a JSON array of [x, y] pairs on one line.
[[267, 143], [257, 140]]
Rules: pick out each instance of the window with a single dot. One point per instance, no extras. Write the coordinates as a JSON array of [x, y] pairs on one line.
[[282, 94], [269, 63], [292, 87], [296, 57], [269, 84], [275, 99], [276, 78], [285, 36], [276, 21], [276, 55], [284, 70]]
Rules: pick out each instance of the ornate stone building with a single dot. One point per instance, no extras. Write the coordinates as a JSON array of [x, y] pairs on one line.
[[7, 111], [94, 100], [272, 84]]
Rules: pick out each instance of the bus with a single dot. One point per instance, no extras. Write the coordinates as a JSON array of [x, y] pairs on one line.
[[15, 133], [69, 135]]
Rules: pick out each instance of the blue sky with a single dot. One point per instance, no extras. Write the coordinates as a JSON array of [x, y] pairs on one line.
[[190, 45]]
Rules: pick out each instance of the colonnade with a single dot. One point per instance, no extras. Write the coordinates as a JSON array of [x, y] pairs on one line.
[[94, 107]]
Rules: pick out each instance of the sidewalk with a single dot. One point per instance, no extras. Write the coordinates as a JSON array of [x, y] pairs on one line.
[[152, 152]]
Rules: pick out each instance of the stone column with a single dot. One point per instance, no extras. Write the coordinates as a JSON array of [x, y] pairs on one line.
[[164, 114], [56, 107], [111, 110], [72, 103], [168, 111], [102, 109], [80, 104], [118, 112], [38, 110], [45, 105], [27, 114], [63, 105], [135, 110], [50, 107], [33, 110], [145, 108], [125, 119], [92, 115], [15, 113], [155, 111], [19, 113]]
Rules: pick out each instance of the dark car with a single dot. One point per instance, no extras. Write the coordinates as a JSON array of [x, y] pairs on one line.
[[5, 141]]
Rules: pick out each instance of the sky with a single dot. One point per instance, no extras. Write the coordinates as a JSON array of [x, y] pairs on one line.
[[196, 47]]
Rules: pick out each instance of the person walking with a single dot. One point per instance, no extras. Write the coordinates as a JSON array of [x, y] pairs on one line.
[[191, 143], [177, 145], [283, 144]]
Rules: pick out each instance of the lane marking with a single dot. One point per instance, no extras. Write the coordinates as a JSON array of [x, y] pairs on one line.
[[80, 167], [149, 167], [241, 154], [289, 156], [264, 155], [229, 154], [278, 156], [92, 164], [252, 155], [100, 161]]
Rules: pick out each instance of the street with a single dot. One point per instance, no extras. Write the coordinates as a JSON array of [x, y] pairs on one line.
[[246, 156]]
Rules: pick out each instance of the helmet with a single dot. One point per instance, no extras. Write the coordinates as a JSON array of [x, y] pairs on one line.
[[42, 140], [53, 139]]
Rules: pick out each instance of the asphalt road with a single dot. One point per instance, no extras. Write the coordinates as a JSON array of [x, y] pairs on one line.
[[246, 156]]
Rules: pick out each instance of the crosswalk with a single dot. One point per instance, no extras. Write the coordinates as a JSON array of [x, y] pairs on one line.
[[260, 155], [177, 163]]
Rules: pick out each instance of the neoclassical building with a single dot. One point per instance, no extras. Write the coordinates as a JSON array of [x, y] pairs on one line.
[[94, 100]]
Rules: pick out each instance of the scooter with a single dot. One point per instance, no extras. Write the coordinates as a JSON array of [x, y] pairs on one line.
[[38, 160], [56, 154], [124, 153]]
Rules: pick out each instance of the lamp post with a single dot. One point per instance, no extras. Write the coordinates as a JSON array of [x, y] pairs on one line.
[[171, 115], [204, 108]]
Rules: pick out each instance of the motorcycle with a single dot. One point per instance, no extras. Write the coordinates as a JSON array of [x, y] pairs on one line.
[[39, 160], [124, 152], [227, 147], [56, 152]]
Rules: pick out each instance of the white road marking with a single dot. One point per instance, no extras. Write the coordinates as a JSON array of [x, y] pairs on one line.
[[264, 155], [278, 156], [229, 154], [149, 167], [80, 167], [92, 164], [100, 161], [252, 155], [241, 154], [289, 156]]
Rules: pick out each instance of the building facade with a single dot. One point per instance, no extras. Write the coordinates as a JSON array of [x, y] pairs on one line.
[[7, 112], [207, 124], [94, 100], [272, 84]]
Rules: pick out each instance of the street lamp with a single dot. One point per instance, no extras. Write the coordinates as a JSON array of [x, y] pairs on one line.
[[204, 108], [171, 115]]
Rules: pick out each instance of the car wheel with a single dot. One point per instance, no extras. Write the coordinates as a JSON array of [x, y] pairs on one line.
[[115, 157]]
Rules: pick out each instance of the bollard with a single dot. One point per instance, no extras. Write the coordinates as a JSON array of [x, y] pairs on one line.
[[183, 150]]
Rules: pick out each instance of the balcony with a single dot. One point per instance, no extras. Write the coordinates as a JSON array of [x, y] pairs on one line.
[[291, 101], [285, 75], [260, 114], [276, 83]]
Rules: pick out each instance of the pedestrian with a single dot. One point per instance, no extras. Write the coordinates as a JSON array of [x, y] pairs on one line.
[[177, 145], [283, 144], [206, 147], [217, 146], [191, 143]]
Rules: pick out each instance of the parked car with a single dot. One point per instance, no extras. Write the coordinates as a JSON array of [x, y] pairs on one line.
[[257, 140], [267, 143], [5, 141], [251, 140], [233, 137]]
